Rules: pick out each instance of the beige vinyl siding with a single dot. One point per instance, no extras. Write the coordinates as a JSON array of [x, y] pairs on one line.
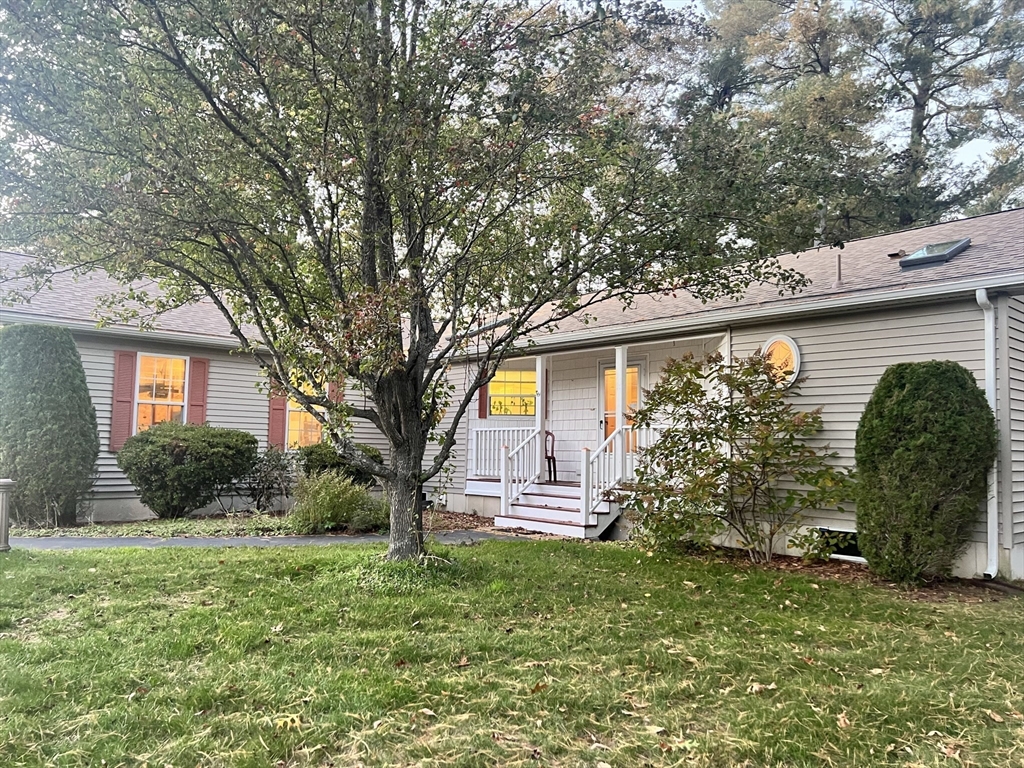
[[843, 357], [233, 398], [1015, 370], [452, 479], [365, 432]]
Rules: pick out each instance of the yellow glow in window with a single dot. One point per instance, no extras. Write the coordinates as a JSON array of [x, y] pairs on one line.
[[513, 393]]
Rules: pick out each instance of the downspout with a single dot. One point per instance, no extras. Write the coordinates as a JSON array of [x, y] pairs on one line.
[[992, 507]]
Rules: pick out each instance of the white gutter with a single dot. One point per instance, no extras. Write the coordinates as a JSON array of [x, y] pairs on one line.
[[604, 335], [119, 331], [992, 506]]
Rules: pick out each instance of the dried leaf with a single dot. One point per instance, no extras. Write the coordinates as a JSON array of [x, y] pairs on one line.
[[428, 712], [843, 721], [539, 687], [996, 717], [463, 662], [654, 730], [756, 688]]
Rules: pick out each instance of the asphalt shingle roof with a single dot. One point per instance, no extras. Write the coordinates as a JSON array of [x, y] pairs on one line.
[[997, 249]]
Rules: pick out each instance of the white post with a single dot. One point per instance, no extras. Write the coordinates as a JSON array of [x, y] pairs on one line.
[[620, 409], [6, 489], [538, 407], [585, 481], [506, 481]]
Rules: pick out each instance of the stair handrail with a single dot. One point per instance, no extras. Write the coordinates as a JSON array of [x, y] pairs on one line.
[[600, 471], [519, 470]]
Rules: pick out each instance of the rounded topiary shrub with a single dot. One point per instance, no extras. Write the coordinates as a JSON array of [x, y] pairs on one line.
[[48, 436], [924, 446], [179, 468]]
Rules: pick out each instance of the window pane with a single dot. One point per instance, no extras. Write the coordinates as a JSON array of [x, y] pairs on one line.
[[150, 414], [513, 393], [510, 405], [303, 429], [161, 379]]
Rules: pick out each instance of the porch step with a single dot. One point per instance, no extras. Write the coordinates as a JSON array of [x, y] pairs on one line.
[[532, 511], [573, 530]]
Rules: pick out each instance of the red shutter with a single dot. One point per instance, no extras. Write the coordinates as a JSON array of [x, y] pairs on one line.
[[336, 391], [124, 399], [198, 378], [482, 402], [277, 428]]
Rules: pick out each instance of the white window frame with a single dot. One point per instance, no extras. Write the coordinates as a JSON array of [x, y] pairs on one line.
[[791, 343], [138, 377], [531, 416]]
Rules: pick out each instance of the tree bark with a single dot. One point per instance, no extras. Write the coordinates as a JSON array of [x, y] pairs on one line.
[[404, 497]]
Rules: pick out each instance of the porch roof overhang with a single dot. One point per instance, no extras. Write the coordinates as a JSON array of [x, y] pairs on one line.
[[715, 321]]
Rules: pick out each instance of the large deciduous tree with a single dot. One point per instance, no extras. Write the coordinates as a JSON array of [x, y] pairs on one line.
[[372, 190]]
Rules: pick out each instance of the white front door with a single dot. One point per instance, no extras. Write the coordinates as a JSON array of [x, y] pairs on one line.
[[607, 399]]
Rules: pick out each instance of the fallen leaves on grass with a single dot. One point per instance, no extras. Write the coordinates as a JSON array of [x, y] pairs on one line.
[[756, 688]]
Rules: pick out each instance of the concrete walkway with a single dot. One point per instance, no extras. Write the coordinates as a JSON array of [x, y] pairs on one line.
[[457, 538]]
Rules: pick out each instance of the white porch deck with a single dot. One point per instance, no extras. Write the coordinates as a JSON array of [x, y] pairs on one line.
[[574, 404]]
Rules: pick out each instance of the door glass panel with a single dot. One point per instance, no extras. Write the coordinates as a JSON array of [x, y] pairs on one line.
[[632, 399]]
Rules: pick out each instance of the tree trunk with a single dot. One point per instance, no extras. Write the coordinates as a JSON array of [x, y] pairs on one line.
[[404, 499]]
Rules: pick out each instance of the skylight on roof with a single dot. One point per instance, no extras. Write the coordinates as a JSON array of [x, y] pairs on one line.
[[935, 253]]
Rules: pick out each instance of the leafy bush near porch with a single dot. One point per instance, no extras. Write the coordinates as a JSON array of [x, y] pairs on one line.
[[179, 468], [925, 442], [731, 457], [331, 501], [321, 457], [48, 436]]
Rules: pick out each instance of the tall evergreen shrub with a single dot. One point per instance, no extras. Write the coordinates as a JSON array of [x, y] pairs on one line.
[[924, 446], [48, 436]]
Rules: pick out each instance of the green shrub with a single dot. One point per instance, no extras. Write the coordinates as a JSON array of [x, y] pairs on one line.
[[179, 468], [48, 436], [269, 479], [331, 501], [739, 464], [924, 446], [321, 457]]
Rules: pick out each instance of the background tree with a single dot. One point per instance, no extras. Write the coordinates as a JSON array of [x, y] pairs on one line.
[[871, 102], [951, 73], [48, 436], [372, 190]]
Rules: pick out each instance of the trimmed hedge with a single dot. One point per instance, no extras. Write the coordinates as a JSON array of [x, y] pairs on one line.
[[179, 468], [321, 457], [48, 436], [924, 446]]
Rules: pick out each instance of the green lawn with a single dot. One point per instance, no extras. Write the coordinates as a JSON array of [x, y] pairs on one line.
[[538, 653]]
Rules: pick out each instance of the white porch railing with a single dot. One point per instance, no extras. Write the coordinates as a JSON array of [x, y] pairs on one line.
[[610, 465], [520, 468], [489, 448], [601, 471]]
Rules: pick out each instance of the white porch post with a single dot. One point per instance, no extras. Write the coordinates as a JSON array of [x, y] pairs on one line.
[[620, 409], [506, 481], [586, 479], [538, 407]]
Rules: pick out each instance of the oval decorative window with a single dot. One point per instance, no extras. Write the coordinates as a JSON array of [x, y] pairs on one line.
[[782, 352]]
